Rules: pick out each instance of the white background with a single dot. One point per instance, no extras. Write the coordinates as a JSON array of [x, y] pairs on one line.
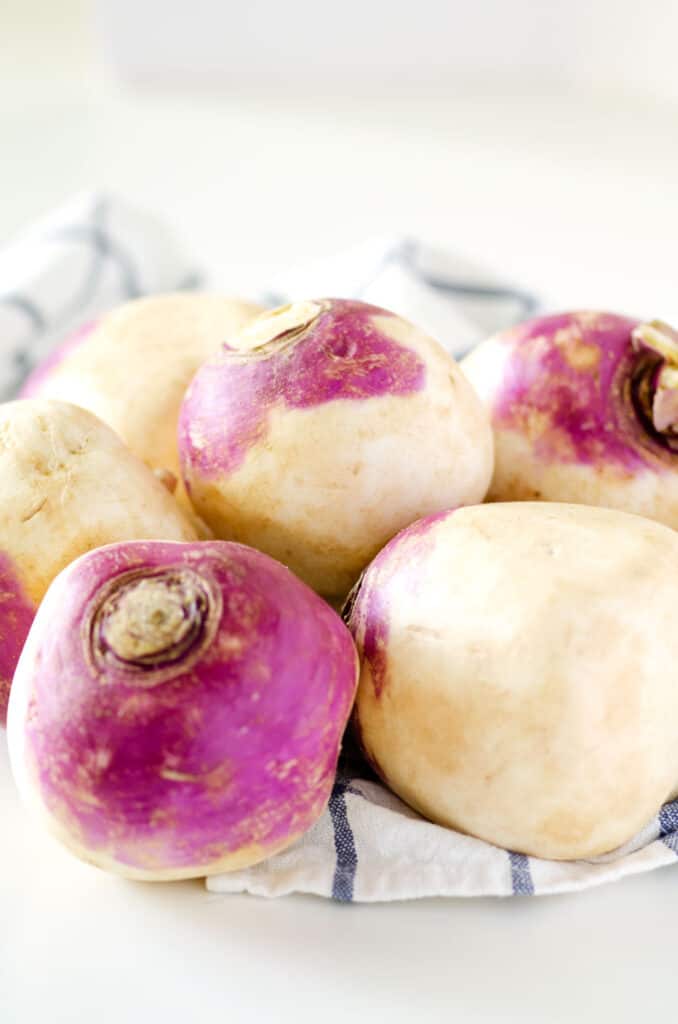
[[572, 191], [557, 165], [613, 44]]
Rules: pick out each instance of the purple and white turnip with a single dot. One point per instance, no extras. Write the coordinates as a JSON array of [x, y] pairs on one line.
[[584, 408], [178, 708], [519, 676], [67, 485], [132, 367], [325, 427]]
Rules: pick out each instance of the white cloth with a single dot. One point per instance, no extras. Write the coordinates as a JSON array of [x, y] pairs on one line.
[[368, 845]]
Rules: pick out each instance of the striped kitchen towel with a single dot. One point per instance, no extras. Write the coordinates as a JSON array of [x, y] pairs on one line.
[[97, 252], [369, 847]]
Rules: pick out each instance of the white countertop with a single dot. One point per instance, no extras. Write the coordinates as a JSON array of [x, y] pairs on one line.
[[577, 199], [77, 946]]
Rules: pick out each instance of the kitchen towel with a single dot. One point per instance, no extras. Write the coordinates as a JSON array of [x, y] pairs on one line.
[[98, 251], [368, 845], [371, 847]]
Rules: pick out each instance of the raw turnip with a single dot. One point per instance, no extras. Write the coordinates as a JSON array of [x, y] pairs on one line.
[[584, 408], [178, 708], [132, 367], [67, 484], [323, 429], [519, 676]]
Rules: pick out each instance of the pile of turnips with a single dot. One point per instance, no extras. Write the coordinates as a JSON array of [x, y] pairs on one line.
[[173, 545]]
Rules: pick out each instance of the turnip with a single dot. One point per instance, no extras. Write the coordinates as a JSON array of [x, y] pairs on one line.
[[324, 428], [584, 408], [178, 708], [67, 484], [132, 367], [519, 676]]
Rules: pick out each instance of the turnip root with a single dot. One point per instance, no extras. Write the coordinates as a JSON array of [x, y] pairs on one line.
[[67, 484], [519, 676], [324, 428], [178, 708], [584, 408], [132, 367]]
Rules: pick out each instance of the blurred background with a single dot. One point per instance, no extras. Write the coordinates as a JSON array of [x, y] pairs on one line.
[[538, 139]]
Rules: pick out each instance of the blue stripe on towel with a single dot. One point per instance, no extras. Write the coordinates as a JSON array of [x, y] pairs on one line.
[[103, 248], [668, 826], [27, 307], [344, 844], [527, 302], [406, 255], [521, 876]]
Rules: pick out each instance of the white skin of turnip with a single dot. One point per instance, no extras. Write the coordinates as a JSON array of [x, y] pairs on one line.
[[519, 676], [326, 427], [134, 365], [67, 485]]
